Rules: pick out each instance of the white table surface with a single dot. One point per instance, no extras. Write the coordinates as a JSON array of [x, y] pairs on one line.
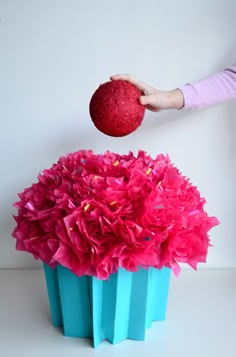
[[201, 320]]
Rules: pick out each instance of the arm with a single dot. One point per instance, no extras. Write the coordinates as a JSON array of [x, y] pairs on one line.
[[214, 89]]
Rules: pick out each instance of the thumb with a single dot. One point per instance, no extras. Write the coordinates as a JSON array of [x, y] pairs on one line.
[[148, 100]]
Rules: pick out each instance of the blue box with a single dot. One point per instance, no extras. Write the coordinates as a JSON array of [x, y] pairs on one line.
[[122, 307]]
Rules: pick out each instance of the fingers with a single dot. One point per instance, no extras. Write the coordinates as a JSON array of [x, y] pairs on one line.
[[142, 86], [149, 99], [124, 77]]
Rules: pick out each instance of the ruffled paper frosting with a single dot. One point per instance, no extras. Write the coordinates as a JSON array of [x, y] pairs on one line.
[[95, 213]]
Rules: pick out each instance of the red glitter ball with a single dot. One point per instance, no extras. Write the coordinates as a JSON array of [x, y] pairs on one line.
[[115, 109]]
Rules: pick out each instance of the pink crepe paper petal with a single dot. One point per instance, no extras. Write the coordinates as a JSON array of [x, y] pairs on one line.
[[95, 213]]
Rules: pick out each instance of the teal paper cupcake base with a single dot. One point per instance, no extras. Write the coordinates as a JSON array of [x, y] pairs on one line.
[[122, 307]]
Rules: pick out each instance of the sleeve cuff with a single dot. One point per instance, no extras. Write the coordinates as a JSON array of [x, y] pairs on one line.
[[190, 96]]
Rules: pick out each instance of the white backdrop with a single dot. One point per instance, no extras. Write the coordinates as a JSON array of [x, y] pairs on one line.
[[54, 54]]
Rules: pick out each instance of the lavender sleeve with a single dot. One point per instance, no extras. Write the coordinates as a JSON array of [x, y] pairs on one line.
[[214, 89]]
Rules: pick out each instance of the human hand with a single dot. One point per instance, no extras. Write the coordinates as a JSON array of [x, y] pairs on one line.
[[154, 99]]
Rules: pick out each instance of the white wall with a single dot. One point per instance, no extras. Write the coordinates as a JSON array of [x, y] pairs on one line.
[[54, 54]]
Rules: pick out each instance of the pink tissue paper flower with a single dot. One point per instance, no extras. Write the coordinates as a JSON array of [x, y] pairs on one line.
[[95, 213]]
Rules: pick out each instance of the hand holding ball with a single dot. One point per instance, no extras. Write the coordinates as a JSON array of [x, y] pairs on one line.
[[115, 109]]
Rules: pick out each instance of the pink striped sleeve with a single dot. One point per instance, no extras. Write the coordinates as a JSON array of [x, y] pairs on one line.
[[214, 89]]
